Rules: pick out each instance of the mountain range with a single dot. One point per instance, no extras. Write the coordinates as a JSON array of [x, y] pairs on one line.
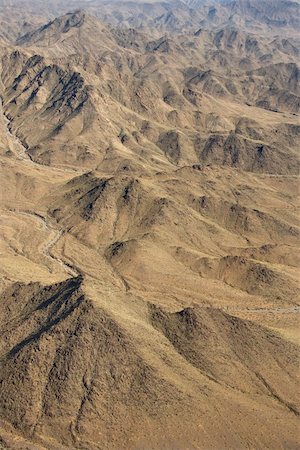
[[149, 224]]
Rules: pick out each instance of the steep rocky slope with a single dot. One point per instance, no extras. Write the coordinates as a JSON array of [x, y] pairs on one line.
[[91, 385]]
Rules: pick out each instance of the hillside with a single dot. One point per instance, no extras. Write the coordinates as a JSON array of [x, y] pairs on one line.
[[149, 158]]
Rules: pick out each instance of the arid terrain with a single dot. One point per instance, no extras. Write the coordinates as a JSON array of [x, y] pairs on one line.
[[149, 225]]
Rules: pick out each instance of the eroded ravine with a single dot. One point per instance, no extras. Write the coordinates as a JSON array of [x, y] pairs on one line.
[[53, 238]]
